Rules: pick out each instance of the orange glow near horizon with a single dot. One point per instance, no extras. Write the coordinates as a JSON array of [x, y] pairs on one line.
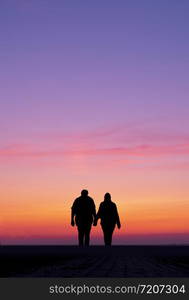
[[40, 215]]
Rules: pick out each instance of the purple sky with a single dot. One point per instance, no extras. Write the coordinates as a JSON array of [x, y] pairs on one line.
[[72, 65]]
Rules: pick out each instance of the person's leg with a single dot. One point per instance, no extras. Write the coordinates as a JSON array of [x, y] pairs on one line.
[[109, 237], [110, 233], [106, 239], [80, 235], [87, 234], [104, 229]]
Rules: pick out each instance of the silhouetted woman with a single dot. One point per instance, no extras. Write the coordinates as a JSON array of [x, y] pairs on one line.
[[109, 218]]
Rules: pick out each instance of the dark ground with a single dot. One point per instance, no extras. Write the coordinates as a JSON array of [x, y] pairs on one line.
[[94, 261]]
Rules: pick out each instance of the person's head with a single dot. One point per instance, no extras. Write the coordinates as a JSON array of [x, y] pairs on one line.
[[84, 193], [107, 197]]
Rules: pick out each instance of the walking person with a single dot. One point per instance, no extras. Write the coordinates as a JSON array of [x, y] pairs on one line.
[[83, 214], [109, 217]]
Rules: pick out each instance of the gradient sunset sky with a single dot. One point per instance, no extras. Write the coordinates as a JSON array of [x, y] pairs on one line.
[[95, 95]]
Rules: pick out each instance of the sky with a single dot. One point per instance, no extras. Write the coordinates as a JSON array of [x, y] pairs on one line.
[[94, 95]]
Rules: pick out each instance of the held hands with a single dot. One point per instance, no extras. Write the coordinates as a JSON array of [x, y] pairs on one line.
[[72, 223], [118, 225], [95, 223]]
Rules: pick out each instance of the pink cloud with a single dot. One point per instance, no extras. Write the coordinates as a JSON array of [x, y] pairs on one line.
[[121, 133], [139, 151], [123, 145]]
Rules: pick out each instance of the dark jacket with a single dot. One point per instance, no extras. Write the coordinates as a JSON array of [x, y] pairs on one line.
[[84, 210], [108, 214]]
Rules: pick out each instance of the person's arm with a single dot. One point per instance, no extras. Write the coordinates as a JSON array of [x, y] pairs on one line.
[[117, 219], [72, 218], [94, 213], [98, 215], [73, 214]]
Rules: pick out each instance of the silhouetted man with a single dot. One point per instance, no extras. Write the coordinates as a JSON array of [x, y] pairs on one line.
[[109, 218], [83, 215]]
